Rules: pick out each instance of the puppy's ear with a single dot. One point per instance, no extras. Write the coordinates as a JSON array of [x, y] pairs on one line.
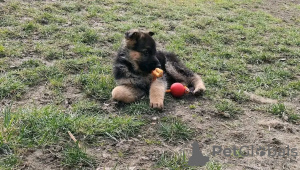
[[151, 33], [132, 35]]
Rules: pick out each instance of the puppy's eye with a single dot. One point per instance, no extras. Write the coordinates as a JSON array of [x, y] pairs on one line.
[[145, 51]]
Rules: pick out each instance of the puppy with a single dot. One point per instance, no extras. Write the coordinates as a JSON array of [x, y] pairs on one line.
[[135, 61]]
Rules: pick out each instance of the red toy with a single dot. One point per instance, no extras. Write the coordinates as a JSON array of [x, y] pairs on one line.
[[178, 90]]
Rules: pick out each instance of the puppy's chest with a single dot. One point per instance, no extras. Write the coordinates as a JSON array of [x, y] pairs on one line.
[[146, 79]]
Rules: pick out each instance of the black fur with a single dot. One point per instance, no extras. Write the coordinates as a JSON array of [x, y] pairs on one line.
[[135, 71]]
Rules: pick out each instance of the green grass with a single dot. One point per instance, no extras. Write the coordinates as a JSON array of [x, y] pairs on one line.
[[278, 109], [2, 51], [75, 157], [42, 126], [212, 165], [281, 110], [9, 161], [236, 96], [173, 129], [47, 125], [97, 82], [228, 107], [174, 161], [178, 161], [11, 87], [8, 158], [114, 127], [96, 85], [31, 63], [139, 108], [33, 128], [87, 107], [235, 45]]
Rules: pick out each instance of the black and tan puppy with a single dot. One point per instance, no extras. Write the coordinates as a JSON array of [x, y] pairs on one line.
[[133, 66]]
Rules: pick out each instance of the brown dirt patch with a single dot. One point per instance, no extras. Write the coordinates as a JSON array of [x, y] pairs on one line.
[[252, 128], [42, 159], [285, 10]]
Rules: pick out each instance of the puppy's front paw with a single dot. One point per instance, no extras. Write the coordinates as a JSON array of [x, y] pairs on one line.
[[157, 104], [199, 90]]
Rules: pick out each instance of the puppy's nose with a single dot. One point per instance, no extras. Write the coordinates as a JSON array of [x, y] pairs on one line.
[[156, 63]]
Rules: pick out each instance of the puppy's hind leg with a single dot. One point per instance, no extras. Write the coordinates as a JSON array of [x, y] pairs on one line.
[[182, 74], [126, 94], [198, 84]]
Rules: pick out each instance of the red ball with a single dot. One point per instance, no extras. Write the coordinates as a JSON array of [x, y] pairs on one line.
[[177, 89]]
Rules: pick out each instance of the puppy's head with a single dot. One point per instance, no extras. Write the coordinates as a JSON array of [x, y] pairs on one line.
[[142, 49]]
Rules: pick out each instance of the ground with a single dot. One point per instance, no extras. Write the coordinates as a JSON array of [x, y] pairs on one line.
[[56, 62]]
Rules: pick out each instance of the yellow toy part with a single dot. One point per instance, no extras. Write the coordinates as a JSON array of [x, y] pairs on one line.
[[157, 73]]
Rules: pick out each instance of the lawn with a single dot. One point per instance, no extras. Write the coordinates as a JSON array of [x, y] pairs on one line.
[[56, 60]]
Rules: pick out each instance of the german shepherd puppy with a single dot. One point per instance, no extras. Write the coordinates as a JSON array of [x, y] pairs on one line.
[[135, 61]]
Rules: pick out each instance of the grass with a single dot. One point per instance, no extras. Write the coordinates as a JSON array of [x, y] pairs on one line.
[[8, 158], [2, 51], [11, 87], [115, 127], [39, 127], [87, 107], [235, 45], [278, 109], [177, 161], [138, 108], [75, 157], [282, 111], [44, 126], [174, 161], [212, 165], [173, 129], [227, 107], [9, 161], [97, 83]]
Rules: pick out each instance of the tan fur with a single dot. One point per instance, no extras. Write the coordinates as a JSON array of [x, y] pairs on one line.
[[124, 94], [130, 43], [134, 55], [133, 83], [198, 84], [157, 94], [196, 80]]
